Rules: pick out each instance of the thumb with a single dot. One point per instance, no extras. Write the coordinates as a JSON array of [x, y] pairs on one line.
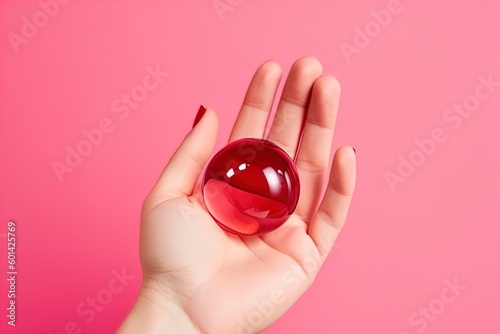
[[182, 171]]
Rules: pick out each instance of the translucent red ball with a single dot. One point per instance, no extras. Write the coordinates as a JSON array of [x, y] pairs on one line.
[[251, 187]]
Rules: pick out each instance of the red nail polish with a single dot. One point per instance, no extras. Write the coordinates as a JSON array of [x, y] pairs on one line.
[[199, 115]]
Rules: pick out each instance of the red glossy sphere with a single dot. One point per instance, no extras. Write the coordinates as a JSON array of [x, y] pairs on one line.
[[251, 187]]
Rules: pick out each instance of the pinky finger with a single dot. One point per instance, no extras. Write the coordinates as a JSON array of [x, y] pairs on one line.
[[329, 220]]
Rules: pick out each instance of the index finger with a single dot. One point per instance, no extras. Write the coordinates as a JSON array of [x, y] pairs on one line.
[[254, 113]]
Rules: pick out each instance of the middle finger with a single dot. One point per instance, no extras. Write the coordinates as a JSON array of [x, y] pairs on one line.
[[287, 124]]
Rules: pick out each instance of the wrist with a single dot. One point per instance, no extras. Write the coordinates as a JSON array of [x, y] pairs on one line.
[[157, 312]]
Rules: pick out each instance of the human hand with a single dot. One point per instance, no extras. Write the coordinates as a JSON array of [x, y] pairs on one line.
[[200, 279]]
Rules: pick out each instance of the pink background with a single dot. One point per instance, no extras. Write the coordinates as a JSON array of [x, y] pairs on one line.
[[400, 245]]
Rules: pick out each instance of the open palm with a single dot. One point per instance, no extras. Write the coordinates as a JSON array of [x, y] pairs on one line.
[[217, 282]]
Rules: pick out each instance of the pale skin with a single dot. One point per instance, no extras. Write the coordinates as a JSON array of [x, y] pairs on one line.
[[199, 279]]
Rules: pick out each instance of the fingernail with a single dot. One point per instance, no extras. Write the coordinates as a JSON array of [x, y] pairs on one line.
[[199, 115], [354, 150]]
